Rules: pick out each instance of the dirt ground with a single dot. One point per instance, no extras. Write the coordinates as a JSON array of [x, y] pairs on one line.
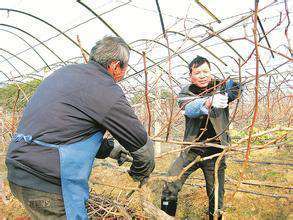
[[193, 199]]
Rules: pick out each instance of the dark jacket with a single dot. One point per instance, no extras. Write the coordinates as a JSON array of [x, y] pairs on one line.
[[218, 120], [70, 105]]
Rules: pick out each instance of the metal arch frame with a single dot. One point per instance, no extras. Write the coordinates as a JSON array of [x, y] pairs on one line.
[[11, 65], [27, 44], [203, 47], [161, 68], [101, 19], [218, 36], [107, 25], [5, 74], [149, 59], [47, 23], [207, 38], [223, 29], [30, 75], [19, 59], [17, 28], [14, 78], [157, 42]]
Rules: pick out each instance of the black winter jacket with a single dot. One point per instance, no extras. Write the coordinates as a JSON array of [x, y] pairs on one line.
[[70, 105]]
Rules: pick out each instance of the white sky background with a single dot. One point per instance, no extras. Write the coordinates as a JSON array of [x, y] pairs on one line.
[[137, 20]]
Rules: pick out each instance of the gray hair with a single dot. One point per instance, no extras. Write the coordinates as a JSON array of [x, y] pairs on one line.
[[110, 49]]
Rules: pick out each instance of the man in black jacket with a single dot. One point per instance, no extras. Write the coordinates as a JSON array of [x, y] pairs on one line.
[[50, 157], [205, 106]]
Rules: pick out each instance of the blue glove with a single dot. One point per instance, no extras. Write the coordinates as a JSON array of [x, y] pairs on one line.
[[229, 84], [232, 89]]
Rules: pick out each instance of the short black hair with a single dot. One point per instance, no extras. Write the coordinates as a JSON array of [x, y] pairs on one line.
[[198, 61]]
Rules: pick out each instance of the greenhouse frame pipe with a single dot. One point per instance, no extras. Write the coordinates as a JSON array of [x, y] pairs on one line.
[[205, 39], [5, 74], [265, 36], [225, 28], [218, 36], [207, 11], [107, 25], [203, 47], [99, 17], [11, 65], [19, 59], [28, 45], [157, 42], [16, 77], [47, 23], [32, 36]]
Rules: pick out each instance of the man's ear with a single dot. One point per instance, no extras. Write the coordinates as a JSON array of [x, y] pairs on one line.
[[111, 67], [115, 64]]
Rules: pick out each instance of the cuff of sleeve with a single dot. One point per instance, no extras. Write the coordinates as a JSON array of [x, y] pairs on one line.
[[204, 110], [104, 150], [143, 161], [196, 108]]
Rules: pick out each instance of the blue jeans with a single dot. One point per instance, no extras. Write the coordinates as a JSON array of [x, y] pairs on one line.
[[40, 205]]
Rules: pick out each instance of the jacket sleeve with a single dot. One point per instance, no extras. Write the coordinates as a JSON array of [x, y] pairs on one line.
[[125, 127], [233, 89], [192, 106], [196, 108]]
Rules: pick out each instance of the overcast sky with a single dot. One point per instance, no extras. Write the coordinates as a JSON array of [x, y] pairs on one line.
[[136, 20]]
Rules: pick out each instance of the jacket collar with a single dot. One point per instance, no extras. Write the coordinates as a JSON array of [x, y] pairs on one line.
[[197, 90], [100, 68]]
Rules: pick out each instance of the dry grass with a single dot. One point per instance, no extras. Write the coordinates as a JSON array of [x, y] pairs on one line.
[[193, 200]]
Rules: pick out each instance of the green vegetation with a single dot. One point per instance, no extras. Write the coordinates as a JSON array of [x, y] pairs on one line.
[[9, 94]]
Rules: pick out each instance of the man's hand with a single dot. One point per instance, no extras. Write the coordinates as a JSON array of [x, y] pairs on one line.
[[120, 154], [219, 100], [232, 89], [109, 148], [143, 162]]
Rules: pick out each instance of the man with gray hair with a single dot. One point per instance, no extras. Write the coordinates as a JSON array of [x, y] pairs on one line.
[[50, 157]]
